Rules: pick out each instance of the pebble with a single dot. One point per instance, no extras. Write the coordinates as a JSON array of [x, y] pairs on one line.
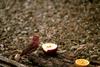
[[17, 57], [1, 47], [24, 32]]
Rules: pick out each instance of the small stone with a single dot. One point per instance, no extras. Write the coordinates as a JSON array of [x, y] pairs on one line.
[[17, 57], [8, 28], [1, 47], [24, 32]]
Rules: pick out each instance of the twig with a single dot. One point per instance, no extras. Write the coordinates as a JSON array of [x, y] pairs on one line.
[[94, 62], [10, 62]]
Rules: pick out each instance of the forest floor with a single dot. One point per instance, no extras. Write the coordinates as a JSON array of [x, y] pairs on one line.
[[74, 25]]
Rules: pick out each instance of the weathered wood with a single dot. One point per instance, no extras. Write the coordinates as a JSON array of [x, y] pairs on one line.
[[10, 62]]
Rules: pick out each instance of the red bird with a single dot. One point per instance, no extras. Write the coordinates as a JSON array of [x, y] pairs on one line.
[[31, 47]]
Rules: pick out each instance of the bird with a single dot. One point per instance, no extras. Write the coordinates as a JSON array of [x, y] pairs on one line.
[[32, 46]]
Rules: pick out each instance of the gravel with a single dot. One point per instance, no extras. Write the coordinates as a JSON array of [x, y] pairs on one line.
[[65, 22]]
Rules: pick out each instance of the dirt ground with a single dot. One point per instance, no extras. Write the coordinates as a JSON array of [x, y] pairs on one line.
[[74, 25]]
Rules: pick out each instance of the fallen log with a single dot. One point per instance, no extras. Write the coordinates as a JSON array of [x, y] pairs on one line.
[[10, 62]]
